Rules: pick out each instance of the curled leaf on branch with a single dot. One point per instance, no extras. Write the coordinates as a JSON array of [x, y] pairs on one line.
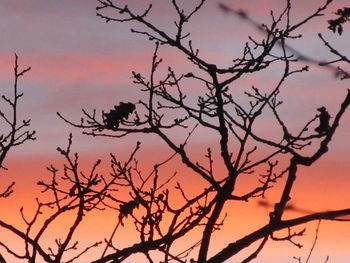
[[336, 25], [127, 209], [324, 118], [117, 115]]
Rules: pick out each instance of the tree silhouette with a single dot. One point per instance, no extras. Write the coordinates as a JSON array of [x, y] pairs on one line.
[[162, 215], [13, 130]]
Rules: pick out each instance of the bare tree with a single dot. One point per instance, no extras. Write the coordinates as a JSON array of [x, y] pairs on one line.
[[242, 150], [217, 110], [74, 193], [14, 131]]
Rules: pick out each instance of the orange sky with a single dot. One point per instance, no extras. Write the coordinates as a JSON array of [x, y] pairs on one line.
[[78, 62]]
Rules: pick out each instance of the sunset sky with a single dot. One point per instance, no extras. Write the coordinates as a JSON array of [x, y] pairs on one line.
[[80, 62]]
